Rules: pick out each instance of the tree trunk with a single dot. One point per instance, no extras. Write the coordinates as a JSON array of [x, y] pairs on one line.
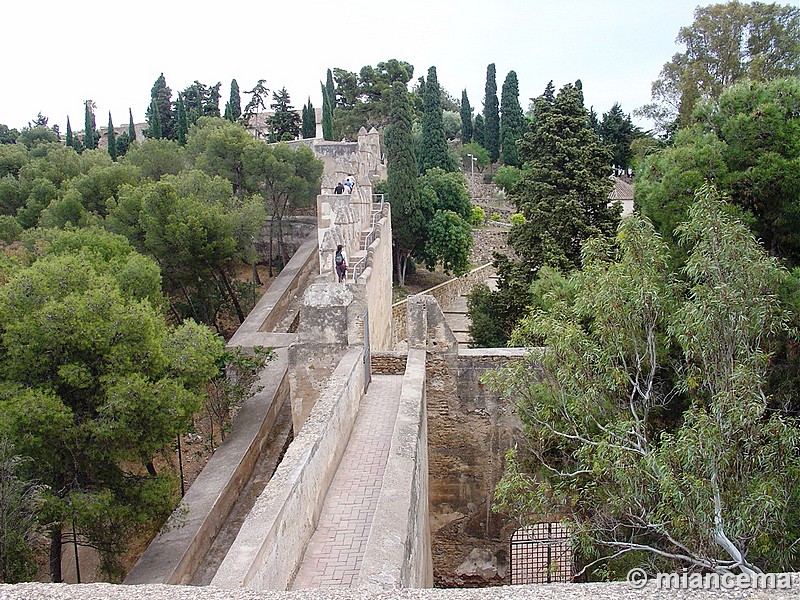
[[232, 294], [271, 274], [256, 278], [55, 554], [151, 469]]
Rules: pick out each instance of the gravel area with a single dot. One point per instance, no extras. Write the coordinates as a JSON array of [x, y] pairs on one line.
[[563, 591]]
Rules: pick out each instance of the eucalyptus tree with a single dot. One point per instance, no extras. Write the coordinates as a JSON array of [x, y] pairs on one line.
[[727, 43], [651, 424]]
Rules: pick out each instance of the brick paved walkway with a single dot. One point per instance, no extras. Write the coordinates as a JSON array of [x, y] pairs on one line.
[[334, 554]]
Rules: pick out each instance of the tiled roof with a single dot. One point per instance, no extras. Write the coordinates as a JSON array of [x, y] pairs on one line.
[[622, 190]]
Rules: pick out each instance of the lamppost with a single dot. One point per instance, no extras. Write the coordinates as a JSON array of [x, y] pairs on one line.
[[472, 166]]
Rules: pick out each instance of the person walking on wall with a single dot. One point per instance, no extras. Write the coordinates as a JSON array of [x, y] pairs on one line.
[[339, 188], [348, 186], [340, 260]]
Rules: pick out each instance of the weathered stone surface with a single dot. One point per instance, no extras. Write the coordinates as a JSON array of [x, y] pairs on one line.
[[469, 431], [556, 591]]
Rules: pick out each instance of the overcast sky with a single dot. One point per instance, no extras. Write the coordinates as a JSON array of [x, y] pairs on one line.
[[58, 53]]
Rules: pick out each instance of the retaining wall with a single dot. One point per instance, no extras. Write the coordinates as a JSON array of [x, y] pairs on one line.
[[445, 293], [470, 428]]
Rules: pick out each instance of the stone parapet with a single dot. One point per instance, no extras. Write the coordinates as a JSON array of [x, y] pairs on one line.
[[271, 308], [271, 542], [175, 554], [398, 552]]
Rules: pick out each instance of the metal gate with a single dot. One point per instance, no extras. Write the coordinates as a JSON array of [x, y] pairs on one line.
[[541, 554]]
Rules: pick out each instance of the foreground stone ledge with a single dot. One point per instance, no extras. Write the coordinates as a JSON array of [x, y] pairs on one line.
[[558, 591]]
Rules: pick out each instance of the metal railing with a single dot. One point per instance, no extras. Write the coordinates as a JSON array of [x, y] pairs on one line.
[[377, 213]]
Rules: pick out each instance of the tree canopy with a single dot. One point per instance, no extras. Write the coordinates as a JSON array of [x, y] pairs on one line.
[[94, 384], [746, 143], [652, 426], [727, 43]]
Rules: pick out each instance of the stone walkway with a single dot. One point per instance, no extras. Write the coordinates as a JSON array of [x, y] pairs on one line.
[[334, 554]]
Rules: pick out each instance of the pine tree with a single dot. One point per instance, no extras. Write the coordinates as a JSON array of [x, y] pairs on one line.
[[466, 119], [479, 132], [69, 141], [309, 121], [327, 115], [183, 122], [131, 128], [433, 148], [90, 134], [512, 121], [284, 123], [112, 139], [408, 222], [234, 106], [491, 115]]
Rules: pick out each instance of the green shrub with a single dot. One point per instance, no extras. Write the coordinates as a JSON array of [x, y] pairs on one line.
[[478, 216]]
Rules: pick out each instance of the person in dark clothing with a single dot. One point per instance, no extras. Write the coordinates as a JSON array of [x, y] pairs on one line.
[[339, 189], [340, 261]]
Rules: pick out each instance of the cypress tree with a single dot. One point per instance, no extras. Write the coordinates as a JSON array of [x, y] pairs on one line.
[[408, 222], [154, 121], [112, 139], [327, 115], [563, 207], [131, 128], [491, 115], [309, 120], [89, 129], [512, 121], [479, 133], [183, 122], [161, 103], [234, 106], [69, 134], [330, 89], [433, 149], [466, 119]]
